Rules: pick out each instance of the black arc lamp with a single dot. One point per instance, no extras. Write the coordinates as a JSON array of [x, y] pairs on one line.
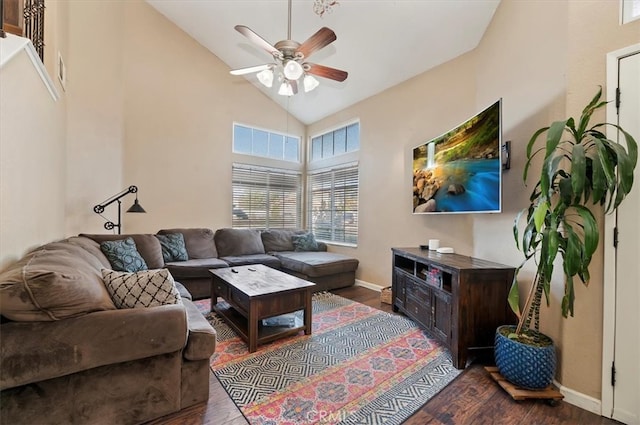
[[135, 208]]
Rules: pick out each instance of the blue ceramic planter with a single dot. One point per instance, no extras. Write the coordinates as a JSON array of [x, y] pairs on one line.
[[524, 365]]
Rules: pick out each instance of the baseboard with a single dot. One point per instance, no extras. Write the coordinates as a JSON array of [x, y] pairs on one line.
[[368, 285], [580, 400]]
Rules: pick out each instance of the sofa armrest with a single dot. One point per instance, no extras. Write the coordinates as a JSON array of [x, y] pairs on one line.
[[36, 351], [201, 343]]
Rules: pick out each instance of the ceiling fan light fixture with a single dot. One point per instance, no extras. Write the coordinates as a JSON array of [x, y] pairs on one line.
[[285, 89], [265, 77], [292, 70], [310, 83]]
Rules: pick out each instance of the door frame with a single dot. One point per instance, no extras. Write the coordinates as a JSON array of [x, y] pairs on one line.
[[609, 287]]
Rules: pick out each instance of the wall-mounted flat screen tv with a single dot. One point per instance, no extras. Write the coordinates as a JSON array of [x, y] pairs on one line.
[[461, 170]]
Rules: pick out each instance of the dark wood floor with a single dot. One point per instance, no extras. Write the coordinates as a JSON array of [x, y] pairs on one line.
[[472, 398]]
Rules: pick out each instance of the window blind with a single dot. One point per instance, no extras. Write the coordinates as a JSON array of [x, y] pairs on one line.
[[266, 198], [333, 204]]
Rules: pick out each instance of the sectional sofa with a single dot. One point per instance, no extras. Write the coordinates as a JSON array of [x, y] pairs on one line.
[[71, 354], [226, 247]]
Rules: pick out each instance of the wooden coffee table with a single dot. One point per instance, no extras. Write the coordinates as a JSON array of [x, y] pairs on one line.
[[257, 292]]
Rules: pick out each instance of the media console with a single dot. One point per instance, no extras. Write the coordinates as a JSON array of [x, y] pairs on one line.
[[460, 300]]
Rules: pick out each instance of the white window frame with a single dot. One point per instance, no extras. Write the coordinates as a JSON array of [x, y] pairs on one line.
[[337, 157], [629, 11], [270, 133]]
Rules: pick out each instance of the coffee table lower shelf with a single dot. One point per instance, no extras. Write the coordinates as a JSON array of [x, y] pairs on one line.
[[266, 334]]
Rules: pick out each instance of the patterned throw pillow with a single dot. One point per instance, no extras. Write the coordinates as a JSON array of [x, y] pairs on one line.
[[173, 247], [304, 242], [148, 288], [123, 255]]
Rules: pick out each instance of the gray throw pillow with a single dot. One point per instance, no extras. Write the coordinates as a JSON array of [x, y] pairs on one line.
[[173, 247], [123, 255], [304, 242]]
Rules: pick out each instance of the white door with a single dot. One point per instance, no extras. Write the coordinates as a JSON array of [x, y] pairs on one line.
[[624, 378]]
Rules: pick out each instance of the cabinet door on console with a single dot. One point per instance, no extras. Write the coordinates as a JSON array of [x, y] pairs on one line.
[[442, 316], [399, 289]]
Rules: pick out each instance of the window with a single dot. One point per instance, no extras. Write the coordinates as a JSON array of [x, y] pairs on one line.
[[267, 144], [336, 142], [333, 204], [266, 197], [630, 10]]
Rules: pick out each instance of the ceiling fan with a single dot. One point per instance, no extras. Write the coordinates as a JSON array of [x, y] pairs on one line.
[[290, 60]]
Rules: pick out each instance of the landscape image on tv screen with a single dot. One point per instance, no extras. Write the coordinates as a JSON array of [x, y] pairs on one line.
[[461, 171]]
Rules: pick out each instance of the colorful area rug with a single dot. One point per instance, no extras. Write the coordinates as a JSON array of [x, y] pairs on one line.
[[360, 366]]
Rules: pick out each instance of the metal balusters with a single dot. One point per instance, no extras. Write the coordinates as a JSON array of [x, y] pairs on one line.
[[34, 24]]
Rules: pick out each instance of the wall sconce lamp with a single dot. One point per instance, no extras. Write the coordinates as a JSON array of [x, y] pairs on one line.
[[506, 155], [135, 208]]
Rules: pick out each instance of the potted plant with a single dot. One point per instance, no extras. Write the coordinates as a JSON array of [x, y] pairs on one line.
[[581, 167]]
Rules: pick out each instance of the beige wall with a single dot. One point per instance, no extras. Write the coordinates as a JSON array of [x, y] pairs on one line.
[[32, 153], [147, 105], [582, 336], [32, 162], [180, 105], [95, 120], [391, 124], [139, 116], [545, 62]]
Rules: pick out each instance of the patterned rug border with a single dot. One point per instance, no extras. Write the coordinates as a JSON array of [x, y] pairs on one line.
[[332, 377]]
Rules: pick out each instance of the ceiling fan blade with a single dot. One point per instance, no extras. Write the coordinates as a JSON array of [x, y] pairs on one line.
[[256, 39], [294, 86], [323, 37], [250, 69], [325, 71]]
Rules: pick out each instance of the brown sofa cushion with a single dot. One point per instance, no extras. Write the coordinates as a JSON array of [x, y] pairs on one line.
[[236, 242], [275, 240], [147, 245], [202, 337], [199, 242], [194, 268], [243, 260], [316, 264], [91, 247], [56, 281], [37, 351]]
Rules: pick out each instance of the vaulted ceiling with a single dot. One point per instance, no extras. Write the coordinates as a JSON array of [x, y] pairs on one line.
[[379, 43]]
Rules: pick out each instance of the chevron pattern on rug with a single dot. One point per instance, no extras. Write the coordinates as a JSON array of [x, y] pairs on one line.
[[360, 366]]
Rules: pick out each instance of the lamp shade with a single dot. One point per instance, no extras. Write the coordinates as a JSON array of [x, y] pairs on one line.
[[292, 70], [310, 83], [265, 77], [136, 208], [285, 89]]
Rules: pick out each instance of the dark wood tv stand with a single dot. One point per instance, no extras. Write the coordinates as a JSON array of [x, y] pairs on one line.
[[460, 300]]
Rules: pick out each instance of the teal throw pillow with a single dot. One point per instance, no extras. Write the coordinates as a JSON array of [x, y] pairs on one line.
[[304, 242], [123, 255], [173, 247]]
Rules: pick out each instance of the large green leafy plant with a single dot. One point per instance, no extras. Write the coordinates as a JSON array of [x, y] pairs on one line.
[[581, 168]]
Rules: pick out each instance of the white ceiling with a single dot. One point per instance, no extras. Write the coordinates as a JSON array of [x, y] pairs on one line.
[[379, 43]]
